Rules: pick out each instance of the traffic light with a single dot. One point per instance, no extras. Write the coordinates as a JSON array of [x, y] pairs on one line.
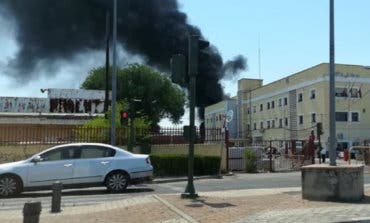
[[124, 118], [319, 129], [178, 68], [196, 53]]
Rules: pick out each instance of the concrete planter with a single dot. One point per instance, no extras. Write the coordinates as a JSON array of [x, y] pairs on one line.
[[333, 183]]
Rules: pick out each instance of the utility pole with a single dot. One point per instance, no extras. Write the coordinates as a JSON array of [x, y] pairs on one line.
[[332, 124], [106, 100], [114, 76]]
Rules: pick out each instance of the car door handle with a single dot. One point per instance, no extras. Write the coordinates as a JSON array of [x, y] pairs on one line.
[[104, 162], [68, 165]]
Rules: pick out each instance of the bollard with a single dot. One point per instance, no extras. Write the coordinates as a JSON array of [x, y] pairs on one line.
[[56, 197], [31, 212]]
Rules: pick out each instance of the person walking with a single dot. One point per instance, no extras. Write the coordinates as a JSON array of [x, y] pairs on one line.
[[323, 154]]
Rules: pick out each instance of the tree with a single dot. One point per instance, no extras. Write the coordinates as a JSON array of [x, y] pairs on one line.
[[97, 129], [150, 93]]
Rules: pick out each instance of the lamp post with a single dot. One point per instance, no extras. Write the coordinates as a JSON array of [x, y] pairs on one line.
[[332, 134], [114, 76]]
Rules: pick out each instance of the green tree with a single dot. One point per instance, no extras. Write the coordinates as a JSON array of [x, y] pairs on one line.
[[98, 129], [156, 97]]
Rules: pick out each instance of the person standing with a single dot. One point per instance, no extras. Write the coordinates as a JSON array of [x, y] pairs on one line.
[[311, 147], [323, 154]]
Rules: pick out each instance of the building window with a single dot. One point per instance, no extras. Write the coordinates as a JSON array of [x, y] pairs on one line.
[[248, 127], [280, 102], [313, 94], [261, 107], [268, 105], [341, 116], [300, 97], [286, 121], [285, 101], [300, 119], [355, 93], [268, 124], [254, 126], [280, 122], [355, 117], [272, 104], [341, 92], [313, 117], [254, 109], [261, 125], [273, 124]]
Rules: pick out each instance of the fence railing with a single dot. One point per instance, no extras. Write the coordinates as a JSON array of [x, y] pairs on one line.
[[271, 155], [13, 134]]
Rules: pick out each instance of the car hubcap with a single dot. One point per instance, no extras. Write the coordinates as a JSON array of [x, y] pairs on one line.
[[117, 181], [7, 186]]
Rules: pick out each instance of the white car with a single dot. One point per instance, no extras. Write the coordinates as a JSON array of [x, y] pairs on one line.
[[75, 165]]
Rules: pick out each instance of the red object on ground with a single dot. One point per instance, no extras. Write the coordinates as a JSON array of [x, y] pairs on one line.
[[345, 155]]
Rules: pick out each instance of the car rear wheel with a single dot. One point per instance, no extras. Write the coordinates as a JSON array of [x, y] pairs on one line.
[[9, 186], [117, 182]]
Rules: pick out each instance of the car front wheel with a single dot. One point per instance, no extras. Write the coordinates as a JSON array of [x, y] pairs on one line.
[[117, 182], [9, 186]]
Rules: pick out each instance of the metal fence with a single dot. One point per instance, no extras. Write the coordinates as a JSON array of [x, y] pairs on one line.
[[272, 155], [12, 134]]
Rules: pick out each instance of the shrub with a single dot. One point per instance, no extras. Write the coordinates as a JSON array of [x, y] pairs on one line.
[[177, 164], [250, 161]]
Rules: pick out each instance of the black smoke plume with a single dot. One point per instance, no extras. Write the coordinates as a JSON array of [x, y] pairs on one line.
[[155, 29], [233, 67]]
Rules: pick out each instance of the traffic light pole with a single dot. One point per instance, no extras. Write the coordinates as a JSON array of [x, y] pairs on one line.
[[193, 70], [190, 190], [132, 127]]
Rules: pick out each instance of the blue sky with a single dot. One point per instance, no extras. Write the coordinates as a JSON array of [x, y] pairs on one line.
[[293, 34]]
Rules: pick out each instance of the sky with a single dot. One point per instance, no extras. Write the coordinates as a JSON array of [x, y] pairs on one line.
[[291, 35]]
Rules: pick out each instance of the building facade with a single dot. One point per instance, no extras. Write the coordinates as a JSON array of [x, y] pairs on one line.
[[290, 108], [220, 115]]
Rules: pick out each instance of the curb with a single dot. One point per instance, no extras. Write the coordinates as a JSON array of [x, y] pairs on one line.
[[181, 179]]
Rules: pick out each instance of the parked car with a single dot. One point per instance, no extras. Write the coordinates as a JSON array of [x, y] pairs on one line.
[[75, 165]]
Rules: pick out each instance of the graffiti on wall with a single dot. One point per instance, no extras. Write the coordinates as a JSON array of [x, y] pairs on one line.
[[58, 101], [62, 105], [24, 105]]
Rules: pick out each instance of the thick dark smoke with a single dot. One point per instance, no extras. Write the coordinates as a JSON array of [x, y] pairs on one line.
[[155, 29], [233, 67]]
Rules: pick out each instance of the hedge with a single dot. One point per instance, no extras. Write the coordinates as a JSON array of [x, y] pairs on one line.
[[177, 164], [250, 161]]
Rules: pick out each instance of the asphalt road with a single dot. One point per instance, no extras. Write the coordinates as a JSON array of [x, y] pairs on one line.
[[97, 195]]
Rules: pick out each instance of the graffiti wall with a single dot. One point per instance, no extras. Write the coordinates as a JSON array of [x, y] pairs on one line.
[[62, 105], [58, 101], [24, 105]]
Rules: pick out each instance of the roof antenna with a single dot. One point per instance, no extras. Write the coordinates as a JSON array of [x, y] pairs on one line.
[[259, 57]]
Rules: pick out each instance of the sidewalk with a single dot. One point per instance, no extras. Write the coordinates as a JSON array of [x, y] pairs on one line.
[[254, 205]]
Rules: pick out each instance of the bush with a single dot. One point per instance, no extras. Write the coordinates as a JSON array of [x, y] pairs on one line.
[[177, 164], [250, 161]]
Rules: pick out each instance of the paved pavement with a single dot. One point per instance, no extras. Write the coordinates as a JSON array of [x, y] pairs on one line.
[[247, 205]]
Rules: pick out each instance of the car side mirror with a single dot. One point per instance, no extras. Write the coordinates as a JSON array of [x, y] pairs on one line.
[[36, 159]]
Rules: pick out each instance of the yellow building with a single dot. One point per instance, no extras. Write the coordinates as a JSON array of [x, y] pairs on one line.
[[291, 107]]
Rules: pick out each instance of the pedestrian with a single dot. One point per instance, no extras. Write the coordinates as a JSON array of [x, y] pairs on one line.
[[311, 147], [323, 154], [318, 153]]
